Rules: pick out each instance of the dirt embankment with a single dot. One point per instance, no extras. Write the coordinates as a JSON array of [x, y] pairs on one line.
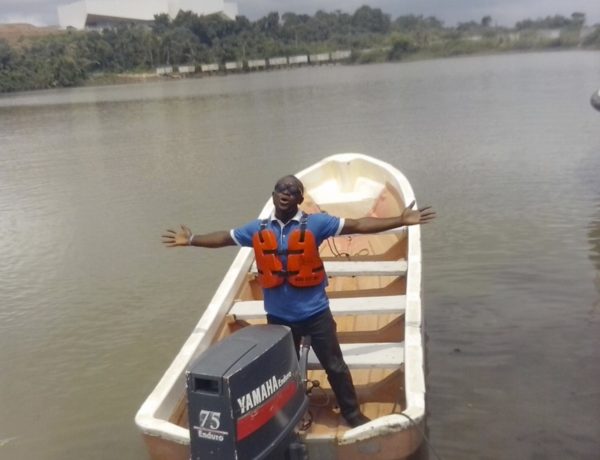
[[16, 34]]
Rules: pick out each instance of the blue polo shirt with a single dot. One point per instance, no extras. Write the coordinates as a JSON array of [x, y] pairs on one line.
[[287, 302]]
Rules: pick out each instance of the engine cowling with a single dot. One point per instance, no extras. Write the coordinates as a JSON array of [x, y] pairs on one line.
[[245, 396]]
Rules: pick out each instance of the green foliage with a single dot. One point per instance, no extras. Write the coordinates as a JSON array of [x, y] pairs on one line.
[[370, 56], [7, 55], [373, 20], [569, 37], [68, 72], [578, 19], [69, 59], [552, 22], [412, 23], [593, 39], [401, 47]]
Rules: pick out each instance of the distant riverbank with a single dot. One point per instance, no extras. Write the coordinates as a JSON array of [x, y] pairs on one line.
[[211, 45], [106, 79]]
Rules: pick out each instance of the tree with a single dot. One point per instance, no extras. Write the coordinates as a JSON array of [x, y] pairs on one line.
[[269, 25], [549, 22], [179, 46], [367, 19], [486, 21], [7, 55], [467, 26], [578, 19], [161, 23], [418, 25]]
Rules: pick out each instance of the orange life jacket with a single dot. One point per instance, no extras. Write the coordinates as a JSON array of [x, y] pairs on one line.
[[304, 266]]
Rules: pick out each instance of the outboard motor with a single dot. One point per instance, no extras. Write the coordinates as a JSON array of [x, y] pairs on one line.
[[246, 396], [595, 100]]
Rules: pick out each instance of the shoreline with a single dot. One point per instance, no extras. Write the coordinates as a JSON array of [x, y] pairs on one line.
[[120, 79], [108, 79]]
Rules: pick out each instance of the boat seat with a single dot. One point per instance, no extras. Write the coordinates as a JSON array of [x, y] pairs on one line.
[[367, 355], [361, 268], [376, 305]]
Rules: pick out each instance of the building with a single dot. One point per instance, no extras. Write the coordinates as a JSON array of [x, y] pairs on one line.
[[91, 14]]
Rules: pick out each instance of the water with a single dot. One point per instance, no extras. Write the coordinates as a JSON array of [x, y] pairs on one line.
[[507, 149]]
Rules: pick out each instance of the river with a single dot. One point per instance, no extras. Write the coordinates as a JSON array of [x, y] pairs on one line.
[[506, 148]]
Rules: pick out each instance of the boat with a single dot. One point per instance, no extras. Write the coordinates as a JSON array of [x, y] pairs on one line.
[[595, 100], [375, 296]]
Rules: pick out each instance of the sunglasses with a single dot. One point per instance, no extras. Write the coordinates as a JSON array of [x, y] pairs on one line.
[[288, 189]]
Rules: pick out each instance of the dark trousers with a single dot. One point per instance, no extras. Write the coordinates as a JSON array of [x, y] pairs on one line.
[[322, 330]]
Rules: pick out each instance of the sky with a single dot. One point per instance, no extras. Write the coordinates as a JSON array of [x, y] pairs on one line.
[[451, 12]]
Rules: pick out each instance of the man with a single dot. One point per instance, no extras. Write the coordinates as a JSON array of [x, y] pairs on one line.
[[292, 276]]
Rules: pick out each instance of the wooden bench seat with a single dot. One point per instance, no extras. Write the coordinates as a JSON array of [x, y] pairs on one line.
[[391, 304], [361, 268], [367, 355]]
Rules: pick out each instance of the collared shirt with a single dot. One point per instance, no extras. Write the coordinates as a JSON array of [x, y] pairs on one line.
[[286, 301]]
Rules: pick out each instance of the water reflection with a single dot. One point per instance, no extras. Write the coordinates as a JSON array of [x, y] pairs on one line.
[[594, 239]]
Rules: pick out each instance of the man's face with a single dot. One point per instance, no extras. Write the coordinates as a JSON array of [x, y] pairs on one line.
[[287, 194]]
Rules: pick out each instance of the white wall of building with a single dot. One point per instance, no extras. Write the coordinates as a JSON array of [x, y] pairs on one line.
[[75, 14]]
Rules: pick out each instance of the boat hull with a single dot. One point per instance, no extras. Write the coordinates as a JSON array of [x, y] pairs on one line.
[[397, 446], [165, 449]]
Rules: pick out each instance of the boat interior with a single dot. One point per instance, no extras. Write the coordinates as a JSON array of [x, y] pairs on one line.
[[367, 287]]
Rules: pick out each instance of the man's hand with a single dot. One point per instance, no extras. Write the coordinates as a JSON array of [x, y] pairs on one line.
[[179, 238], [412, 216]]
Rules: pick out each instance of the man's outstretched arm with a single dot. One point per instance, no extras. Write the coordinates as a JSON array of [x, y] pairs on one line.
[[380, 224], [185, 237]]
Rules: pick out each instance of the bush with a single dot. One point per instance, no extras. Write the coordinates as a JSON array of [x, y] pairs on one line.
[[370, 56], [401, 47], [593, 39]]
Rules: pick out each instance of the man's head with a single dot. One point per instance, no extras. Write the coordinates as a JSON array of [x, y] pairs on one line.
[[288, 194]]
